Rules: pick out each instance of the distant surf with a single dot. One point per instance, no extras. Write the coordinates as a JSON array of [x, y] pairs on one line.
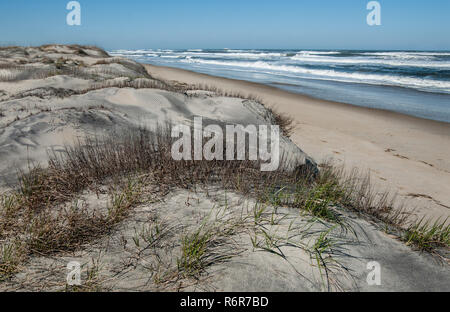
[[411, 82]]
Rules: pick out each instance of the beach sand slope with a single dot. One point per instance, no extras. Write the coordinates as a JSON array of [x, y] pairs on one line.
[[403, 154]]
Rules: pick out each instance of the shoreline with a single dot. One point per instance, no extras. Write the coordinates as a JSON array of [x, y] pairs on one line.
[[405, 154], [247, 83], [100, 187]]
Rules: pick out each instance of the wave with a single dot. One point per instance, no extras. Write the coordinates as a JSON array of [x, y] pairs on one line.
[[368, 61], [406, 54], [330, 74], [242, 55], [318, 53], [391, 59], [424, 70]]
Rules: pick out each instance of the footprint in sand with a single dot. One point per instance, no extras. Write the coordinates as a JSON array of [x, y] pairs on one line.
[[427, 197]]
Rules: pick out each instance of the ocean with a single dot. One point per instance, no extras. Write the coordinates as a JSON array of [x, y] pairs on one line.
[[415, 83]]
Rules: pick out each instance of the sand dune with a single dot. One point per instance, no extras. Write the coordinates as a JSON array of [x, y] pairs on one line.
[[42, 114], [404, 154], [50, 96]]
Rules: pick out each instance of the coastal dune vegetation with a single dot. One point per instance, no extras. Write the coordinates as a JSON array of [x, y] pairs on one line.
[[112, 186]]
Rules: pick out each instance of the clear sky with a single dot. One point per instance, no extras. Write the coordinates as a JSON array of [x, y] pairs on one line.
[[304, 24]]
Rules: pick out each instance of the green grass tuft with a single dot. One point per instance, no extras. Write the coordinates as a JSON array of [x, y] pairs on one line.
[[426, 235]]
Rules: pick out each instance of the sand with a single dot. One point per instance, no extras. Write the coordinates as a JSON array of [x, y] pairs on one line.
[[41, 111], [404, 154], [124, 266]]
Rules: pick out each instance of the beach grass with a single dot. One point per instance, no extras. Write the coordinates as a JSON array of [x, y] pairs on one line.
[[41, 211], [427, 235]]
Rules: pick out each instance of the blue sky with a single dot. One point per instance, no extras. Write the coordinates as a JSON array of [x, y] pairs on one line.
[[305, 24]]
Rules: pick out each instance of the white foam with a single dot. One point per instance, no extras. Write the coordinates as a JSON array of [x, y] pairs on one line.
[[318, 52], [355, 77], [369, 61], [406, 54], [284, 63]]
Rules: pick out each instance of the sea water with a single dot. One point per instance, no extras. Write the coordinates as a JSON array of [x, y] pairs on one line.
[[416, 83]]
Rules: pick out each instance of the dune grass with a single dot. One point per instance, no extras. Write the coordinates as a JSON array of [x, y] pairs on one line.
[[426, 235], [202, 248], [11, 257], [39, 217], [39, 211]]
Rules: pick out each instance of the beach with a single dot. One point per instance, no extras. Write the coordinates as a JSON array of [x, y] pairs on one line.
[[86, 163], [414, 83], [197, 152], [403, 154]]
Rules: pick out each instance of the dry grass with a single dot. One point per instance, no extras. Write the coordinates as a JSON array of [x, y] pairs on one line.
[[354, 190], [26, 68], [39, 217], [11, 257], [286, 123], [101, 76], [77, 49], [20, 72], [45, 221], [133, 66], [37, 211]]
